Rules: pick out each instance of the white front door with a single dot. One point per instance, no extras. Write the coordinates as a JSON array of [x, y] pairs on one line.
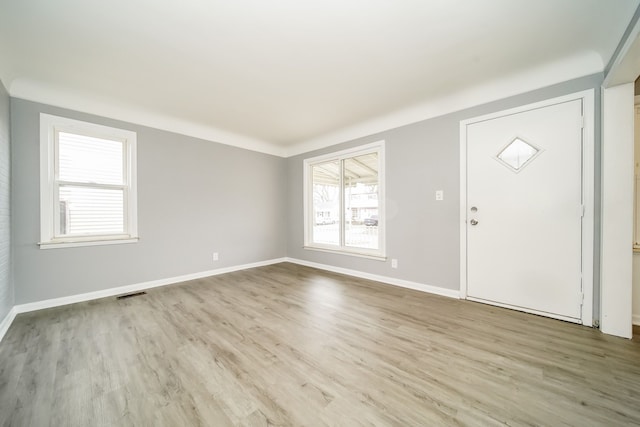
[[524, 210]]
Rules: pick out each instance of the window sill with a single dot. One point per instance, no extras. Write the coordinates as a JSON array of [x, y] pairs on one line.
[[350, 253], [78, 243]]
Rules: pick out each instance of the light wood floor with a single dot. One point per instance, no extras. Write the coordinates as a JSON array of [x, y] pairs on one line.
[[292, 346]]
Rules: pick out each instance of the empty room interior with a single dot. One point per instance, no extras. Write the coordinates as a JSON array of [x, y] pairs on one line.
[[306, 213]]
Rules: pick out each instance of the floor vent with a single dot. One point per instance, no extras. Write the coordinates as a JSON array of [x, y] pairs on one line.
[[135, 294]]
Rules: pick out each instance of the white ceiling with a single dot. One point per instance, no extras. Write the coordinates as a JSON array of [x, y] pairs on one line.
[[282, 76]]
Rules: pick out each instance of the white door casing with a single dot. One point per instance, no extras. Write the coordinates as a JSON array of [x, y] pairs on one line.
[[616, 311], [616, 259], [532, 247]]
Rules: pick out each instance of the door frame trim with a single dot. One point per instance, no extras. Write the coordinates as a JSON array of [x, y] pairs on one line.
[[588, 191]]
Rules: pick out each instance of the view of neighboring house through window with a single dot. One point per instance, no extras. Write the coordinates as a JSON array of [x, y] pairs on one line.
[[344, 203], [87, 182]]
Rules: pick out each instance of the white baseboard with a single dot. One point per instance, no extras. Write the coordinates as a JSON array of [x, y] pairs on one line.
[[451, 293], [56, 302], [636, 319], [6, 322]]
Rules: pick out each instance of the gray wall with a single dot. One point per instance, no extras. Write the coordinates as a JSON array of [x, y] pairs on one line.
[[6, 286], [194, 197], [421, 158]]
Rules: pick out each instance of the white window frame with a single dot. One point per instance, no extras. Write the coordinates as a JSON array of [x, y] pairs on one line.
[[636, 181], [309, 220], [50, 127]]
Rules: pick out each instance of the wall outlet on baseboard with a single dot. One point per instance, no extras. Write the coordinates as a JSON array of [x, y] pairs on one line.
[[394, 263], [215, 256]]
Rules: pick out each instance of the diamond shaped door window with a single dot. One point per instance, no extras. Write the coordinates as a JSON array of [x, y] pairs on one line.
[[517, 154]]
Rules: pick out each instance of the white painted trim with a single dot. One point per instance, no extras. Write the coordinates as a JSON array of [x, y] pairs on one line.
[[624, 68], [589, 203], [50, 125], [347, 152], [56, 302], [636, 319], [345, 252], [451, 293], [463, 210], [588, 190], [79, 243], [585, 94], [7, 321], [616, 255], [616, 287], [72, 299]]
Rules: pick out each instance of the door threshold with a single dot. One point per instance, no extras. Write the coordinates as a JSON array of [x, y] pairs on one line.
[[527, 310]]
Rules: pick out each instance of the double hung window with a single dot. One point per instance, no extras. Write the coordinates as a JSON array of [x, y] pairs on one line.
[[88, 183]]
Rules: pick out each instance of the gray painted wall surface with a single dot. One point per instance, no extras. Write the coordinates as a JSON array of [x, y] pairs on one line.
[[6, 286], [194, 197], [423, 157]]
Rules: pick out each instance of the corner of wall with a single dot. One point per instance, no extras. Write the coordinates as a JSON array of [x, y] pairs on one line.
[[7, 291]]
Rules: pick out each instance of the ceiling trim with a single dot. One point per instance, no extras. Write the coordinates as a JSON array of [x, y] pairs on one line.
[[624, 64], [588, 63], [552, 73], [618, 56], [46, 94]]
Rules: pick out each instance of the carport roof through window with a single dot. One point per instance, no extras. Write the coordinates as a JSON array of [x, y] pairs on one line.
[[363, 169]]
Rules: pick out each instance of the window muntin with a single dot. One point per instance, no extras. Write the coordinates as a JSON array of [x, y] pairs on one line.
[[344, 209], [88, 183]]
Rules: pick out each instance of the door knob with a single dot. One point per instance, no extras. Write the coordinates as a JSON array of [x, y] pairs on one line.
[[473, 222]]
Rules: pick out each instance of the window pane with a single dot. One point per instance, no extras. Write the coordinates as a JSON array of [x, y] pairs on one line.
[[361, 201], [89, 160], [517, 154], [326, 203], [86, 210]]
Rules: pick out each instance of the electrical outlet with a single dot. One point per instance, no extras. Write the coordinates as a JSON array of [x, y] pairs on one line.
[[215, 256], [394, 263], [439, 195]]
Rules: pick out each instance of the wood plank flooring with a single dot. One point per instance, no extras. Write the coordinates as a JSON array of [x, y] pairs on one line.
[[287, 345]]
